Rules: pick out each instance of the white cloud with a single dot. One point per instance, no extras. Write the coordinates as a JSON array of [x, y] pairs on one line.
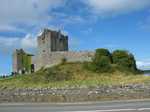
[[73, 19], [8, 41], [145, 65], [28, 42], [26, 11], [7, 45], [114, 7]]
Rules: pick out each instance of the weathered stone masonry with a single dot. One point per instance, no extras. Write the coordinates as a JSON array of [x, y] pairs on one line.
[[135, 91], [52, 48], [22, 62], [47, 60], [51, 41]]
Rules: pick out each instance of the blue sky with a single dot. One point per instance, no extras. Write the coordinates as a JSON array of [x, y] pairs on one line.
[[90, 24]]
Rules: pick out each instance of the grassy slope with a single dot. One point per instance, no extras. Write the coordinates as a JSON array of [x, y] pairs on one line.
[[80, 78]]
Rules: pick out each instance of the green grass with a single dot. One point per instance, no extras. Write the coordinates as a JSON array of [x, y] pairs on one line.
[[78, 77]]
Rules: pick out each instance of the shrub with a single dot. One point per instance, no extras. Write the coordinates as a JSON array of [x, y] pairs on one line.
[[103, 61], [103, 64], [132, 62], [124, 59], [100, 53]]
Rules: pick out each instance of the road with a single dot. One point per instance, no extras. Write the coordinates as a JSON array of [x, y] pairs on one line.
[[114, 106]]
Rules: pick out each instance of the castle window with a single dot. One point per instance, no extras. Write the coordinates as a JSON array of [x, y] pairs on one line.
[[43, 50], [43, 38]]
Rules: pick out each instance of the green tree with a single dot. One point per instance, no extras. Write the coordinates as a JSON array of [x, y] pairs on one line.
[[103, 64], [100, 53], [132, 62], [101, 61], [124, 59]]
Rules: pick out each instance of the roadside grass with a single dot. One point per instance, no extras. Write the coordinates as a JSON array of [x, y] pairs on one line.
[[79, 77]]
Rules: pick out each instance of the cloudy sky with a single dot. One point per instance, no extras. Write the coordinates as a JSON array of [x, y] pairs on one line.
[[90, 24]]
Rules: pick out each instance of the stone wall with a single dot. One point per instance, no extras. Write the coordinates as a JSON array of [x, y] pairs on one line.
[[53, 58], [53, 47], [51, 41], [135, 91], [21, 62]]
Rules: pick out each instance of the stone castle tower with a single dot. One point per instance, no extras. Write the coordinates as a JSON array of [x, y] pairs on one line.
[[22, 62], [51, 50], [52, 41], [53, 47]]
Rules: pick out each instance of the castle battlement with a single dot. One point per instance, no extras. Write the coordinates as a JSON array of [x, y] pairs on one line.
[[52, 41]]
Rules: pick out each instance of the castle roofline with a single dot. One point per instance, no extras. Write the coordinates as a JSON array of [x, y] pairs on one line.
[[19, 50], [30, 54], [50, 30], [22, 51]]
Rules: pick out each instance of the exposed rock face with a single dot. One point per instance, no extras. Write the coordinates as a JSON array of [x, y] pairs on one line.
[[75, 94]]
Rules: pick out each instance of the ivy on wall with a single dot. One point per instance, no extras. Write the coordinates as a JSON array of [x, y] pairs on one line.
[[25, 61]]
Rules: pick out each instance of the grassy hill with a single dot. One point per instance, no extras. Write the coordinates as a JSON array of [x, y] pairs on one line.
[[72, 75]]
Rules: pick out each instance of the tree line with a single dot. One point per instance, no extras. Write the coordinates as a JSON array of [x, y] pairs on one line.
[[106, 61]]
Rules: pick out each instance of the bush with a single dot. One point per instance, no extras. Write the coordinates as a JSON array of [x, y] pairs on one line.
[[124, 59], [103, 65], [132, 64], [100, 53], [103, 61]]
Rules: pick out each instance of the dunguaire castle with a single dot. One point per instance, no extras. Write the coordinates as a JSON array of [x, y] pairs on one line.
[[52, 48]]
